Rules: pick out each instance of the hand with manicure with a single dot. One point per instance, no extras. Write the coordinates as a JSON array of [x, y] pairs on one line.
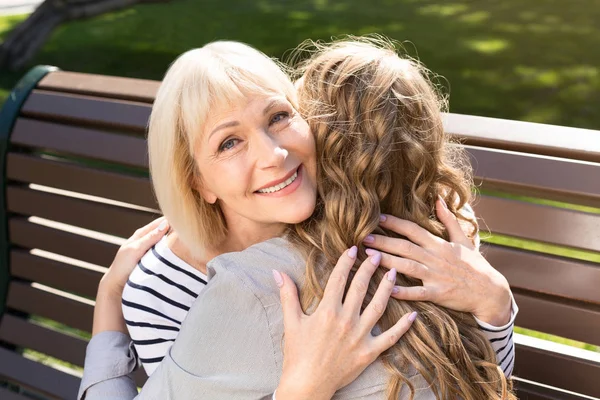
[[328, 349], [454, 274]]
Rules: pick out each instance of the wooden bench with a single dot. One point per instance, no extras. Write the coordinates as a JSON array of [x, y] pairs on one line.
[[76, 183]]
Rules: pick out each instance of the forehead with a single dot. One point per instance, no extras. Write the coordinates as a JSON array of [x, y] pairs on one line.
[[243, 108]]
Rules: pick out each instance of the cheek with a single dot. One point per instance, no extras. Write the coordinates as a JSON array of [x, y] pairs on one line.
[[228, 179]]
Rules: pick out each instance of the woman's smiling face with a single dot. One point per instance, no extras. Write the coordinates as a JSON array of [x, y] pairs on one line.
[[257, 159]]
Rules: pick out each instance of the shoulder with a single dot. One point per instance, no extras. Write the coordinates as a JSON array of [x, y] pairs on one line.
[[253, 267]]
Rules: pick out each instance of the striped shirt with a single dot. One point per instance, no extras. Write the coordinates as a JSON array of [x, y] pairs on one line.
[[156, 299]]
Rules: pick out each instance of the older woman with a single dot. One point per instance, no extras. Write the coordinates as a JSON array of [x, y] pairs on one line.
[[240, 152]]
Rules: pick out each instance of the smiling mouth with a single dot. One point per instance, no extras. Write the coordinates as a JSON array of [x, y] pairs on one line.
[[280, 186]]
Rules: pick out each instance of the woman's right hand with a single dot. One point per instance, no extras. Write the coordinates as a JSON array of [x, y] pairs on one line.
[[131, 252], [330, 348], [108, 315]]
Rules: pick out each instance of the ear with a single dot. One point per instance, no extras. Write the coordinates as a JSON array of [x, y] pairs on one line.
[[206, 193]]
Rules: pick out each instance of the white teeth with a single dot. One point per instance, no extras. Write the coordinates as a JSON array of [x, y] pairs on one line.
[[277, 188]]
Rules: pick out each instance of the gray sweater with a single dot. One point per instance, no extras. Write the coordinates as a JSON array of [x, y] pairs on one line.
[[230, 344]]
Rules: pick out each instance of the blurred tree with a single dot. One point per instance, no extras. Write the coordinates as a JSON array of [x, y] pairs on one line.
[[27, 38]]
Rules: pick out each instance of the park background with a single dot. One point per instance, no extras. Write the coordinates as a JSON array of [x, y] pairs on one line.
[[534, 61]]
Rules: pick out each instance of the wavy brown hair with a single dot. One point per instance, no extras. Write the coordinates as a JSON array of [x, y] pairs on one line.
[[382, 148]]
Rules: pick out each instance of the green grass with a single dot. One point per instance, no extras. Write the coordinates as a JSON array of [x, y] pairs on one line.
[[534, 61]]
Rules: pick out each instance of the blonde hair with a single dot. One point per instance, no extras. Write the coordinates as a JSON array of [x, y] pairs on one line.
[[200, 80], [382, 148]]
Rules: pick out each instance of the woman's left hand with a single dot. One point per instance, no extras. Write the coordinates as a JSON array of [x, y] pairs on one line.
[[454, 274]]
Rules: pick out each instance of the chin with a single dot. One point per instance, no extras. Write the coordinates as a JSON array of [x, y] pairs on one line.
[[301, 213]]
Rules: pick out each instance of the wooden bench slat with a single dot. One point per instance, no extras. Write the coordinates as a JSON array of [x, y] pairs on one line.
[[37, 376], [539, 222], [527, 137], [67, 311], [106, 218], [59, 275], [109, 113], [81, 142], [6, 394], [556, 317], [537, 176], [29, 335], [81, 179], [547, 274], [100, 85], [558, 370], [531, 391], [30, 235]]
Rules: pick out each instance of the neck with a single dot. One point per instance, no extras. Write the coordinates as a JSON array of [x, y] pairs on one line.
[[243, 234]]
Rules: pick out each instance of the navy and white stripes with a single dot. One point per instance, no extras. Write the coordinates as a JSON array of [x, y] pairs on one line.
[[156, 300], [502, 341]]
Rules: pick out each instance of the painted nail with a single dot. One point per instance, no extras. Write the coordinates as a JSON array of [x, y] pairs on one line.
[[163, 226], [370, 252], [369, 239], [376, 258], [396, 290], [412, 316], [443, 202], [278, 278], [382, 218], [352, 252], [391, 275]]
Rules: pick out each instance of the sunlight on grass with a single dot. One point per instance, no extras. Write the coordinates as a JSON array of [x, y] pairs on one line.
[[475, 17], [557, 339], [487, 46], [443, 10], [7, 23], [118, 15]]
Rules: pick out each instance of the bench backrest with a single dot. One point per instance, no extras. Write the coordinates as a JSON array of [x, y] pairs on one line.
[[76, 183]]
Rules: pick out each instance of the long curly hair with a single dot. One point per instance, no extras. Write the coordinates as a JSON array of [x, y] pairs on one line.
[[377, 121]]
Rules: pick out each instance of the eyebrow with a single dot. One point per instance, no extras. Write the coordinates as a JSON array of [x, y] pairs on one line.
[[223, 126], [231, 124], [272, 104]]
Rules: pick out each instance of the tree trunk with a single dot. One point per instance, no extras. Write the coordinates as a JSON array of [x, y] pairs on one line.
[[28, 37]]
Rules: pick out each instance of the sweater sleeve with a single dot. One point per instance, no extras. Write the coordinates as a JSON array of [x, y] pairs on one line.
[[109, 363], [224, 350]]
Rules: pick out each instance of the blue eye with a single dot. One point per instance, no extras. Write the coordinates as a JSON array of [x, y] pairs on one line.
[[279, 117], [228, 144]]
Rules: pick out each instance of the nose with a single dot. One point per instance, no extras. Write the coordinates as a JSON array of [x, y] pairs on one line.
[[270, 153]]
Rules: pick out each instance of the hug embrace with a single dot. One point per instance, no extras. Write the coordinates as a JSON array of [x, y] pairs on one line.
[[320, 243]]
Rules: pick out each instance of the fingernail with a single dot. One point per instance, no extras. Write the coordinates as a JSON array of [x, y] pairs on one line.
[[391, 275], [443, 202], [395, 289], [352, 252], [369, 239], [376, 258], [278, 278], [163, 226], [412, 316], [370, 252], [382, 218]]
